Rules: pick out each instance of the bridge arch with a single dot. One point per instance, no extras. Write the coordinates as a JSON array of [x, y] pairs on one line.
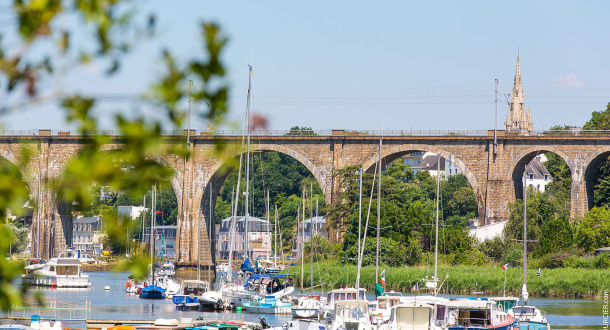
[[517, 167], [214, 176], [390, 153], [216, 173], [590, 173]]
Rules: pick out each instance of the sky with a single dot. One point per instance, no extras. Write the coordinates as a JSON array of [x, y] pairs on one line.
[[362, 65]]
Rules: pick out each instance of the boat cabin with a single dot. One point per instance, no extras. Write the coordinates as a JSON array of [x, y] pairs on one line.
[[194, 287], [342, 294], [412, 316], [476, 313]]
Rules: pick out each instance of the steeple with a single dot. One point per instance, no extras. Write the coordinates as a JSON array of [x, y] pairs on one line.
[[517, 119]]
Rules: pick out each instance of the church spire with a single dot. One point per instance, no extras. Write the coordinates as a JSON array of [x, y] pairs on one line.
[[517, 119]]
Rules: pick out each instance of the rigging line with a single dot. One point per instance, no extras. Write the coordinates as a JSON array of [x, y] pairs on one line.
[[349, 236], [366, 227]]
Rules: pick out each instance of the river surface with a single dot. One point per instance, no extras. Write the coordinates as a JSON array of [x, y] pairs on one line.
[[114, 304]]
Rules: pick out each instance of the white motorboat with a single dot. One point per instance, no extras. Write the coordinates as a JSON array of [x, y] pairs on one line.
[[337, 295], [352, 315], [190, 293], [308, 307], [60, 273], [212, 300], [528, 318], [481, 313], [268, 305], [416, 312], [383, 307]]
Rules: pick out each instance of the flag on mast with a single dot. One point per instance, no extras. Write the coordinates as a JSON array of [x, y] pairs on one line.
[[382, 277], [505, 267]]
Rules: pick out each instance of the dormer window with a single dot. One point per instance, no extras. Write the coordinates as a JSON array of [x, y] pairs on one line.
[[531, 176], [546, 177]]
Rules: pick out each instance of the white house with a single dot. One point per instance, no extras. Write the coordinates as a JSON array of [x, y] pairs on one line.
[[133, 212], [427, 161], [536, 174], [490, 231]]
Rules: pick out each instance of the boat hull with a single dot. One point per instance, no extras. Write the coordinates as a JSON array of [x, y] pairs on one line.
[[152, 292], [525, 325], [305, 313], [262, 309], [57, 282]]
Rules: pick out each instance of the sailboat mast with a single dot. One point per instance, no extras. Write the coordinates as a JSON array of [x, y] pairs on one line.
[[300, 248], [278, 231], [438, 184], [359, 226], [311, 224], [275, 232], [210, 226], [248, 105], [268, 221], [152, 237], [525, 232], [378, 215]]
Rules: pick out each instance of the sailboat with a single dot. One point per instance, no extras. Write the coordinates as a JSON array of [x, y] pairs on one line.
[[192, 292], [152, 291], [235, 292], [527, 317], [354, 313], [308, 306]]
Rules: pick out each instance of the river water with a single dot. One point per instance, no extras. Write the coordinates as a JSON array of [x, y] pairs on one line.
[[116, 305]]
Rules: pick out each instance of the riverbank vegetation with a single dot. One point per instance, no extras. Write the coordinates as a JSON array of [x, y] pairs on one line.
[[583, 283]]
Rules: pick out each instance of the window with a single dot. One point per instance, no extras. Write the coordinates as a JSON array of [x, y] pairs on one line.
[[531, 176], [546, 177], [538, 187]]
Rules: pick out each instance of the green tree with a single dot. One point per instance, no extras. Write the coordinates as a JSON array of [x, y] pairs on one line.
[[594, 230], [556, 235]]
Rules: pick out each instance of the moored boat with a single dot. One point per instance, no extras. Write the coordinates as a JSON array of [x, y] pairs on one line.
[[152, 292], [59, 273], [480, 313], [308, 307], [190, 292], [268, 305]]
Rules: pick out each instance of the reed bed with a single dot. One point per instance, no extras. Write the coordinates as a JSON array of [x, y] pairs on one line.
[[553, 283]]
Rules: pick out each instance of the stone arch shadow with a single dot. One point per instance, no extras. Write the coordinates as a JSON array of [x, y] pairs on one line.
[[215, 176], [517, 167], [591, 171], [391, 153]]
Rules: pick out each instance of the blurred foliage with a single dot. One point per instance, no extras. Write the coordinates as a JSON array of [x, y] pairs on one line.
[[106, 31]]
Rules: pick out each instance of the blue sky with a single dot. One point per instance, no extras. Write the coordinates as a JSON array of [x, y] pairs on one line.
[[373, 65]]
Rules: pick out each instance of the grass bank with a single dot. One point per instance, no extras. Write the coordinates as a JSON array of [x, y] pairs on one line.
[[554, 283]]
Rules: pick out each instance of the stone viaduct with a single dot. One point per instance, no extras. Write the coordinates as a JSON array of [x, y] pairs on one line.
[[495, 178]]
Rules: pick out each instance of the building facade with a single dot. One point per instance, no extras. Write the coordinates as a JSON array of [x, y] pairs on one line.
[[165, 240], [304, 234], [517, 119], [260, 234], [87, 236]]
